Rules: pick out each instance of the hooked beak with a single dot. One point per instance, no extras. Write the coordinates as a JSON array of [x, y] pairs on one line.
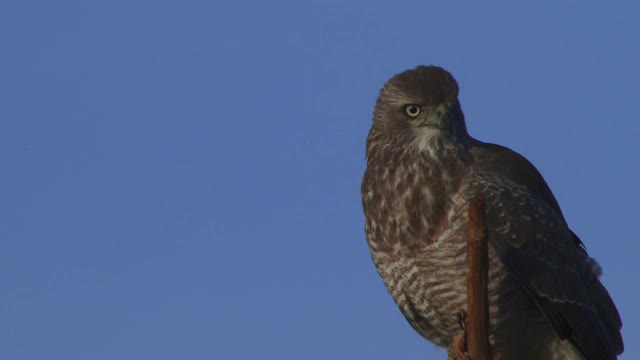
[[438, 118]]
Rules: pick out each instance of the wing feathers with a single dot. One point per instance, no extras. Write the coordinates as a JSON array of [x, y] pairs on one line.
[[541, 254]]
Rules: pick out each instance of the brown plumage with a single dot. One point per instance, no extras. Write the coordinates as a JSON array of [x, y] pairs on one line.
[[546, 301]]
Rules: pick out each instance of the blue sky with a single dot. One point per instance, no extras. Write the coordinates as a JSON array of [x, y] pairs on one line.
[[180, 180]]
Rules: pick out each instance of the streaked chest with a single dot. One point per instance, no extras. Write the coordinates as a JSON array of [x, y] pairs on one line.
[[412, 201]]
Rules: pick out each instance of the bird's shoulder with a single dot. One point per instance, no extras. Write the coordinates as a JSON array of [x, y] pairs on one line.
[[509, 164]]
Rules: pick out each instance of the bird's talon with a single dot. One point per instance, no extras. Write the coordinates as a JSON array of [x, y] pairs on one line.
[[462, 319]]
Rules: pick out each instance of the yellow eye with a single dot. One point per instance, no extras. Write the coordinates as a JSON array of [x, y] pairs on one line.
[[412, 110]]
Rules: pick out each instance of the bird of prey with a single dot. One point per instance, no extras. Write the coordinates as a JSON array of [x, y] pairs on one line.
[[423, 170]]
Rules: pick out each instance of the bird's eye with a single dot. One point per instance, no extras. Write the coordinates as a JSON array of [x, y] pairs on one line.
[[412, 110]]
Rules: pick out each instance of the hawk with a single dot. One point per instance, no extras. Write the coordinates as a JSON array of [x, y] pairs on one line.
[[423, 170]]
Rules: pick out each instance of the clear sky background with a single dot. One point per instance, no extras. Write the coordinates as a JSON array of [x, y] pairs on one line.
[[180, 180]]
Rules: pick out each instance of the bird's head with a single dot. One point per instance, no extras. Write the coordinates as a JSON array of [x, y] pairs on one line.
[[420, 107]]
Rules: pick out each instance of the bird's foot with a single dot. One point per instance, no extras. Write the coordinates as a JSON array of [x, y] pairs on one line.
[[459, 344], [459, 350]]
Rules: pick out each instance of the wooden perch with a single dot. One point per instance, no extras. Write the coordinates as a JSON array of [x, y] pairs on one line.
[[474, 342]]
